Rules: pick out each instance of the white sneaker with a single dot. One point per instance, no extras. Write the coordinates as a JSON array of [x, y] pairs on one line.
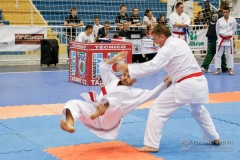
[[206, 70]]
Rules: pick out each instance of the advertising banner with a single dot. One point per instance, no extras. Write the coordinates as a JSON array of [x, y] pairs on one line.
[[197, 39], [85, 59], [21, 38]]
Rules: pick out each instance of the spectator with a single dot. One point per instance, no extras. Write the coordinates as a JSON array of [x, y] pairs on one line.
[[134, 18], [73, 21], [122, 16], [207, 12], [103, 32], [200, 21], [179, 22], [149, 35], [96, 26], [123, 32], [86, 36], [161, 20], [149, 18], [212, 38]]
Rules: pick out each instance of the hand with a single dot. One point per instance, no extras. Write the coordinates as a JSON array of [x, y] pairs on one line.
[[121, 55], [168, 80]]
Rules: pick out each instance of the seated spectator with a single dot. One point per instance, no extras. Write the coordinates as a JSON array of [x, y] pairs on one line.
[[121, 17], [161, 20], [96, 26], [200, 21], [148, 18], [86, 36], [103, 32], [134, 18], [123, 32]]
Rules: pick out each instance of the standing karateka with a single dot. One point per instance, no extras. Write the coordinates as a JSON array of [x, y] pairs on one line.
[[225, 29], [179, 22], [121, 98], [189, 85]]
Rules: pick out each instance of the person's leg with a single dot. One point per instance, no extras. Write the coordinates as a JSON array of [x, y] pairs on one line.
[[159, 113], [75, 110], [224, 64], [203, 118], [230, 62], [100, 110], [218, 56], [68, 124], [210, 54]]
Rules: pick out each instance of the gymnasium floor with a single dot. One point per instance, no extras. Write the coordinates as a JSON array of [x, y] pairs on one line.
[[31, 99]]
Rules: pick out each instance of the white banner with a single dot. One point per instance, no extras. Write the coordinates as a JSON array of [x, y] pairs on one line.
[[21, 38], [188, 7], [197, 39], [235, 8]]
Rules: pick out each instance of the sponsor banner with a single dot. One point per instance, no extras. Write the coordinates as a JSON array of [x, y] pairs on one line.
[[73, 64], [21, 38], [97, 58], [82, 60], [197, 39]]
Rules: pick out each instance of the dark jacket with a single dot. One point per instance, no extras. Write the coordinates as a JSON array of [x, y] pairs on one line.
[[101, 32], [123, 33], [211, 33]]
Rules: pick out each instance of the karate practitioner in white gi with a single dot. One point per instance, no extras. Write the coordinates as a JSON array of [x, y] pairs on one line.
[[189, 85], [225, 29], [179, 21], [121, 98]]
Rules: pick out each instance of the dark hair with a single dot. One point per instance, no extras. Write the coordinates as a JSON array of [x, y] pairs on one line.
[[147, 11], [226, 8], [123, 5], [89, 26], [161, 29], [223, 4], [73, 8], [107, 22], [178, 4], [96, 17], [134, 8]]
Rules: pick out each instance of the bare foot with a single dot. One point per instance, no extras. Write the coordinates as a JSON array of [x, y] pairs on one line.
[[100, 110], [147, 149], [66, 126]]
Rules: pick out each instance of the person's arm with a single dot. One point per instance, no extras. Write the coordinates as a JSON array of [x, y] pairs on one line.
[[79, 37], [217, 27], [137, 70], [234, 27], [106, 67]]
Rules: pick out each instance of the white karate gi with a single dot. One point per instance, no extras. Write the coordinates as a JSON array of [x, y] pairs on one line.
[[122, 100], [179, 62], [175, 18], [225, 28], [82, 37]]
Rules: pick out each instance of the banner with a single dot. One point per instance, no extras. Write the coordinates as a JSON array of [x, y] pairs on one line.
[[21, 38], [235, 8], [197, 39]]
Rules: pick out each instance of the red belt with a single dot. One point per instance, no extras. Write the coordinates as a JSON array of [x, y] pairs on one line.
[[179, 33], [197, 74], [224, 38]]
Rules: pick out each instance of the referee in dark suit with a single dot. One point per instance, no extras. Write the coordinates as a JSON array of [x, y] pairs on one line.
[[103, 32]]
